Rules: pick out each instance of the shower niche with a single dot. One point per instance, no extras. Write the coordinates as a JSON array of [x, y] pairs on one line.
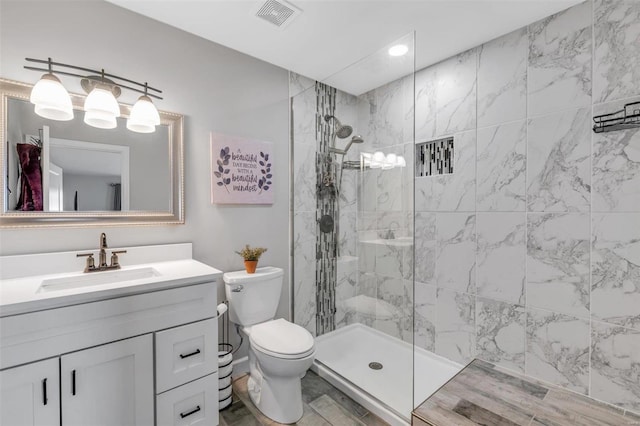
[[434, 158]]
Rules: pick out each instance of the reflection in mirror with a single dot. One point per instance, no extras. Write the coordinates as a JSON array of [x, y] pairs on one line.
[[68, 173], [84, 168]]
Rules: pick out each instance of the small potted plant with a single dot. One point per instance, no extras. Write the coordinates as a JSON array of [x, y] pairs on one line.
[[251, 256]]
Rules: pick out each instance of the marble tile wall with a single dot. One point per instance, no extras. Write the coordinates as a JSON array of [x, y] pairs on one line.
[[304, 119], [528, 256]]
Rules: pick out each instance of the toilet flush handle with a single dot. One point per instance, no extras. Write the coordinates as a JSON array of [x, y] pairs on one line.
[[237, 289]]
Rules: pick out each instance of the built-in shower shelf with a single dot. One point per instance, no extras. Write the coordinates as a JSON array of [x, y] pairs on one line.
[[627, 118], [397, 242]]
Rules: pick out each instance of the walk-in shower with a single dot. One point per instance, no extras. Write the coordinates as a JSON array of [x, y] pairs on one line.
[[353, 251]]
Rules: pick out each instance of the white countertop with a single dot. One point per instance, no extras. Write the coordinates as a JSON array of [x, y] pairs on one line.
[[21, 293]]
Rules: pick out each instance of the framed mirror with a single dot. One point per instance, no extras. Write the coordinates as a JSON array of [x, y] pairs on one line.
[[67, 173]]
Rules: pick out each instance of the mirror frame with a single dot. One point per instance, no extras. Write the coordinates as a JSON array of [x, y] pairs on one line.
[[10, 89]]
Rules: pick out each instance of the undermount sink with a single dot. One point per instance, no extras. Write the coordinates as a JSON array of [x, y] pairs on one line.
[[96, 278]]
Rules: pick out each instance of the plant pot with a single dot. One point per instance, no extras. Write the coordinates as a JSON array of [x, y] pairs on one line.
[[250, 266]]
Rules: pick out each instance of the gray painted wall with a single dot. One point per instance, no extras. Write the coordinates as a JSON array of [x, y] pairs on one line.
[[216, 89]]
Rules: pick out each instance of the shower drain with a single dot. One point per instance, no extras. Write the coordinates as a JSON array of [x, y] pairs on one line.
[[375, 366]]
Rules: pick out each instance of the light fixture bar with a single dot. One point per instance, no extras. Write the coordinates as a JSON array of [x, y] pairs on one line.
[[97, 72]]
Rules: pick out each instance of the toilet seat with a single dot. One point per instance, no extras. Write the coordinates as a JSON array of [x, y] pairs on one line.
[[281, 339]]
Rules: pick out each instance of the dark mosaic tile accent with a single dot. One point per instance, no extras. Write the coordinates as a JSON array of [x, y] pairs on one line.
[[326, 205], [434, 157]]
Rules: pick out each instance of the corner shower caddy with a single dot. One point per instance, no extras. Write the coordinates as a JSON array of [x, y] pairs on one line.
[[628, 117]]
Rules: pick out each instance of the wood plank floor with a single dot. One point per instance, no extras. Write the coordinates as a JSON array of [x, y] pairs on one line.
[[483, 394], [323, 405]]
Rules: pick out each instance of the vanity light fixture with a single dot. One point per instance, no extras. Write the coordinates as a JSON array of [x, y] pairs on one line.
[[144, 116], [101, 107], [51, 99], [378, 160]]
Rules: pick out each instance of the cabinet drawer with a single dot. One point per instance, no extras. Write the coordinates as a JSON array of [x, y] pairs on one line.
[[186, 353], [195, 403]]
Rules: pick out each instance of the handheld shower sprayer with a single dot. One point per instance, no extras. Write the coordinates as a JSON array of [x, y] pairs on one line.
[[355, 139]]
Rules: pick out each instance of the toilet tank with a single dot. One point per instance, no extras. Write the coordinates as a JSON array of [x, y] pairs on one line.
[[253, 298]]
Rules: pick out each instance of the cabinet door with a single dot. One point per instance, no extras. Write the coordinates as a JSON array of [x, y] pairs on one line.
[[30, 395], [109, 385]]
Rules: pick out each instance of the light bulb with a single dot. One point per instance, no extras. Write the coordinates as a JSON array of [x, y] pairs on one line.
[[144, 116], [377, 160], [101, 108], [51, 99]]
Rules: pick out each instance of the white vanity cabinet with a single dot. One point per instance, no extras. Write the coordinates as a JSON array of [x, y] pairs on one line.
[[138, 355], [30, 394], [109, 385]]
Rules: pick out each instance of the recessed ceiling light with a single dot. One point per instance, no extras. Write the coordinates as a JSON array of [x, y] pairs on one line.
[[398, 50]]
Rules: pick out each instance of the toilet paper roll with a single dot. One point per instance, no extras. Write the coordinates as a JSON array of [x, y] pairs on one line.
[[221, 309]]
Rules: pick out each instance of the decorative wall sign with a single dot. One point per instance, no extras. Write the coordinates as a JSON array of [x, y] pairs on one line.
[[241, 170]]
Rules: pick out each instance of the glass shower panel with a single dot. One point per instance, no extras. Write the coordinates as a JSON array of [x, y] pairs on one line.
[[352, 236]]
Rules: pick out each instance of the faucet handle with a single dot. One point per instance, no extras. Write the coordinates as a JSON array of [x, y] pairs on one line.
[[90, 265], [114, 258]]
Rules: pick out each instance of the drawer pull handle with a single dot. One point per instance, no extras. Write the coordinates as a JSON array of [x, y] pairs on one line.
[[44, 392], [191, 354], [195, 410]]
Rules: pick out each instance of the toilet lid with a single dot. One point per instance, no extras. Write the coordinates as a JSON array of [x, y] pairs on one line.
[[281, 337]]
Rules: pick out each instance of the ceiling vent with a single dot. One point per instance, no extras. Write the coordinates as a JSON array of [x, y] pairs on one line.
[[277, 12]]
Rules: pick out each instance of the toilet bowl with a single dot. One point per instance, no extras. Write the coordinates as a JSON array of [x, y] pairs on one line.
[[280, 352]]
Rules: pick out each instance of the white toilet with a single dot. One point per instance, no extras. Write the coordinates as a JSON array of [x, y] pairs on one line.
[[280, 352]]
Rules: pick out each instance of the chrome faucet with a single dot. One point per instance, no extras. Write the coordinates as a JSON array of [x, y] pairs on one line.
[[90, 265]]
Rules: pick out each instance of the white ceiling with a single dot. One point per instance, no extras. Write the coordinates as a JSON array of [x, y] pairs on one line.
[[330, 35]]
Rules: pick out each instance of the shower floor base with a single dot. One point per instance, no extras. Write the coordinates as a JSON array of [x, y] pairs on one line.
[[343, 357]]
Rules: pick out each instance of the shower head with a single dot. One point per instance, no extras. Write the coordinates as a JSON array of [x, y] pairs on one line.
[[341, 131], [355, 139]]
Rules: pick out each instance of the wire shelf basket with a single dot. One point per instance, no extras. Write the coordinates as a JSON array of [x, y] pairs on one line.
[[627, 118]]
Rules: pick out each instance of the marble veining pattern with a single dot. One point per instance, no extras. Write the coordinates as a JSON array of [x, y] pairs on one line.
[[558, 262], [617, 49], [346, 288], [501, 256], [456, 251], [455, 325], [615, 275], [560, 55], [500, 330], [425, 104], [425, 316], [615, 365], [304, 178], [456, 93], [501, 167], [502, 79], [558, 349], [425, 245], [558, 162], [304, 270], [616, 166], [445, 100], [392, 320]]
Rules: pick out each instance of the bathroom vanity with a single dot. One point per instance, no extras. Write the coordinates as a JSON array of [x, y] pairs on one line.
[[135, 346]]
